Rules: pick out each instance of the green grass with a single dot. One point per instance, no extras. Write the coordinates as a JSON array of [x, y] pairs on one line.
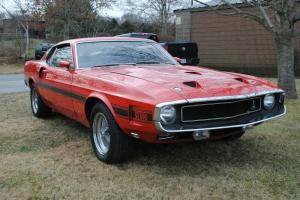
[[53, 159], [14, 68]]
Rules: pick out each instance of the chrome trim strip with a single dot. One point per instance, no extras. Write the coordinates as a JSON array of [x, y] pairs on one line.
[[243, 96], [171, 103], [162, 129], [209, 119], [75, 48]]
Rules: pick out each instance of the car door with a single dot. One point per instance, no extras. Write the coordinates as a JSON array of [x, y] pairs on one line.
[[58, 80]]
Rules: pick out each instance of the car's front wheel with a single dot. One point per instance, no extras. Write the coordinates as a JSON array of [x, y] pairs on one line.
[[38, 107], [110, 144]]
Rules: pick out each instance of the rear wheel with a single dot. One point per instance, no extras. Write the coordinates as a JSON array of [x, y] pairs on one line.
[[110, 144], [38, 107]]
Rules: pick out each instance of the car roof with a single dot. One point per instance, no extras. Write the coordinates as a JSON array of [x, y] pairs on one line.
[[96, 39]]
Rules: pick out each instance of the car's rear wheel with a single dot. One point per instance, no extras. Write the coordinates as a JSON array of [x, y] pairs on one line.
[[110, 144], [38, 107]]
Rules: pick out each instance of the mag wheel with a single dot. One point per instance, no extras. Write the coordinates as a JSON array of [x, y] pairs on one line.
[[110, 144], [38, 107], [101, 133]]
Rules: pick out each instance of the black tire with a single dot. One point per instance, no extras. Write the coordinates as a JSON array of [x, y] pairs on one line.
[[38, 107], [119, 147]]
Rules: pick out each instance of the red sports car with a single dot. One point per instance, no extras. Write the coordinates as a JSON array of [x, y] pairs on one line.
[[125, 88]]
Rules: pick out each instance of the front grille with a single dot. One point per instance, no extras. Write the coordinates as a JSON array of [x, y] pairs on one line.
[[219, 110]]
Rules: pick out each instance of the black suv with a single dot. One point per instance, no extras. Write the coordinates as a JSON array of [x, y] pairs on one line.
[[150, 36], [41, 49]]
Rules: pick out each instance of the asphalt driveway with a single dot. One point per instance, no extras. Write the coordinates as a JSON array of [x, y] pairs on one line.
[[12, 83]]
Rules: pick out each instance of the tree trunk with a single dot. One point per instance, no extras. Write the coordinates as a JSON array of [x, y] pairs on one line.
[[67, 29], [286, 64], [66, 20], [27, 42]]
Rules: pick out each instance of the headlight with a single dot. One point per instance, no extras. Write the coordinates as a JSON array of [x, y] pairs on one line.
[[269, 101], [167, 115]]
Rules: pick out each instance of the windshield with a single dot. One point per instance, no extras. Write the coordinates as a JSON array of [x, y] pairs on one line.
[[106, 53]]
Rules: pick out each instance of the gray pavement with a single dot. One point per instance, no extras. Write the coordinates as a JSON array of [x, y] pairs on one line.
[[12, 83]]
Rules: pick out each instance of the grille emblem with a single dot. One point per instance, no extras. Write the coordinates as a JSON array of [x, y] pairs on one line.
[[183, 48]]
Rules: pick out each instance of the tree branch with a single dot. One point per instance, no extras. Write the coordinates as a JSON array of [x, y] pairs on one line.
[[217, 9], [238, 11]]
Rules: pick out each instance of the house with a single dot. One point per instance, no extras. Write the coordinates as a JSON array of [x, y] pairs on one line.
[[231, 43], [10, 28]]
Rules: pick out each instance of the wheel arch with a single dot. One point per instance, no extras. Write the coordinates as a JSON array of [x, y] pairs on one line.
[[94, 99], [30, 82]]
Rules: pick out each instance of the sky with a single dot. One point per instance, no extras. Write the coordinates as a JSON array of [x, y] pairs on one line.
[[115, 11]]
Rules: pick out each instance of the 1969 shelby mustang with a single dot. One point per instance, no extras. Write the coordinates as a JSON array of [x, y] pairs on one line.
[[125, 88]]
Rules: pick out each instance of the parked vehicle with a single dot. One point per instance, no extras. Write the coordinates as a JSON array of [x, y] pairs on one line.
[[150, 36], [41, 49], [126, 88], [186, 52]]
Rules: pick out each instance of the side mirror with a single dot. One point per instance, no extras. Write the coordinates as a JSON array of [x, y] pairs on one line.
[[177, 59], [64, 64]]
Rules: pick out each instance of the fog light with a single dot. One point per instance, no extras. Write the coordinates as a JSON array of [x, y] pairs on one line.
[[201, 135]]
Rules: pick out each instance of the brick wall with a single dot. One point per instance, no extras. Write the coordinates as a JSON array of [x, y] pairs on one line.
[[234, 43]]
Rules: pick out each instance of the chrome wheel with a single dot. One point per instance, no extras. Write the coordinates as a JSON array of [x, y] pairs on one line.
[[34, 100], [101, 134]]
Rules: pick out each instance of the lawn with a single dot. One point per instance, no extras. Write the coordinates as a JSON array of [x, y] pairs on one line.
[[12, 68], [53, 159]]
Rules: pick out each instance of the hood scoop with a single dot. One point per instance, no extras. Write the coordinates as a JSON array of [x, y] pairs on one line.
[[193, 84], [192, 72], [241, 80]]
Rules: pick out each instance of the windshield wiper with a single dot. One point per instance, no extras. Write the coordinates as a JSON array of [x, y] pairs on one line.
[[113, 64], [154, 62], [148, 62]]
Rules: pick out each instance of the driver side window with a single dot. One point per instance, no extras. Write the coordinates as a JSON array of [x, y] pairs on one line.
[[61, 54]]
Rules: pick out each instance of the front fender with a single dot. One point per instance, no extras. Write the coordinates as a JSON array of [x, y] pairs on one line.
[[104, 99]]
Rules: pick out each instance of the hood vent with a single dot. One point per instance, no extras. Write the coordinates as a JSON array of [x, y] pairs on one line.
[[241, 80], [191, 72], [193, 84]]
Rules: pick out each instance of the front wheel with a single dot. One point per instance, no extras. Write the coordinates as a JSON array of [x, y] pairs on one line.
[[110, 144], [38, 107]]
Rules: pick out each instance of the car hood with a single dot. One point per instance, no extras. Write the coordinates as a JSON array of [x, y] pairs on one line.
[[193, 82]]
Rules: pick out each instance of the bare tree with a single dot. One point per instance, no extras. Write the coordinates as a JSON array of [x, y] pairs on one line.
[[70, 10], [22, 16], [160, 11], [279, 18]]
